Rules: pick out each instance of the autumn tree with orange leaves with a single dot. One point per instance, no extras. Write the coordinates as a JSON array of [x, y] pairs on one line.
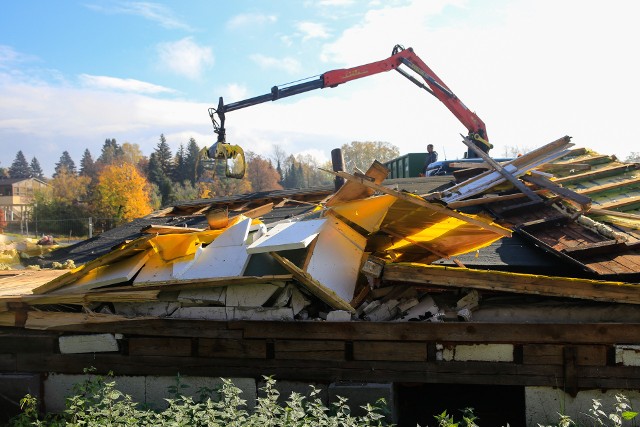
[[262, 174], [122, 192]]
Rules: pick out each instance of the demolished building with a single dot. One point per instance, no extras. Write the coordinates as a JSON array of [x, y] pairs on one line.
[[520, 276]]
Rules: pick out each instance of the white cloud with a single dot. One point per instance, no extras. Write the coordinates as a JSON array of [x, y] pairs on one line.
[[250, 20], [9, 56], [288, 64], [533, 71], [312, 30], [185, 57], [152, 11], [125, 85], [234, 92]]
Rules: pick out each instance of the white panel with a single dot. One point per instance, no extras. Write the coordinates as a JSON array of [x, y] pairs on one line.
[[291, 235], [155, 270], [118, 272], [336, 258], [218, 262], [226, 256]]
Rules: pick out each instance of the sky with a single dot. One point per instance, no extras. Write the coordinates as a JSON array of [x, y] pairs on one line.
[[75, 73]]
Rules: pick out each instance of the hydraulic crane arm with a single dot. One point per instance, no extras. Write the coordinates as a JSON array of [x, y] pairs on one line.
[[400, 56]]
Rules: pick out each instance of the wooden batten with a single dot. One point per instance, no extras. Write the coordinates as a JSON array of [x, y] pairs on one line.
[[595, 290], [316, 288]]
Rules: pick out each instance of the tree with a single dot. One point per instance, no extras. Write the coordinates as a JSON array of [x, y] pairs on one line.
[[515, 150], [164, 156], [131, 153], [261, 174], [36, 169], [20, 167], [362, 154], [87, 165], [183, 191], [69, 188], [122, 192], [157, 176], [111, 152], [220, 185], [193, 165], [65, 163], [180, 172], [634, 157]]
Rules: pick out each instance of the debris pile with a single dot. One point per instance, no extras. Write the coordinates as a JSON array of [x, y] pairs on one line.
[[367, 252]]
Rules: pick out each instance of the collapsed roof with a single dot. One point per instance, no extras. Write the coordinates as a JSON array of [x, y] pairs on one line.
[[441, 251]]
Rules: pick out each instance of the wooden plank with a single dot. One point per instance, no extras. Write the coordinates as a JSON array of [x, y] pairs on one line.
[[627, 202], [310, 350], [595, 333], [503, 171], [550, 354], [421, 202], [487, 373], [490, 199], [23, 282], [147, 346], [555, 168], [85, 298], [181, 284], [316, 288], [385, 350], [353, 190], [597, 174], [596, 290], [123, 251], [158, 327], [259, 211], [541, 181], [486, 180], [542, 354], [627, 183], [598, 211], [169, 229], [230, 348], [49, 319], [606, 247], [29, 344]]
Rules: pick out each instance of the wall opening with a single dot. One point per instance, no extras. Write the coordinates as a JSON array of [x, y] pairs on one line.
[[492, 405]]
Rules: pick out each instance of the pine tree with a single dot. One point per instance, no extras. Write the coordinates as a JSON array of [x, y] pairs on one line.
[[193, 165], [180, 173], [164, 156], [36, 169], [65, 163], [87, 165], [279, 170], [111, 151], [20, 167], [158, 177]]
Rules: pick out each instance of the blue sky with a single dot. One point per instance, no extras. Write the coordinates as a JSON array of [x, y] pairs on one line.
[[74, 73]]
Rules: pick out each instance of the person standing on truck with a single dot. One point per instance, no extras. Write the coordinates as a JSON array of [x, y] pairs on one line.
[[432, 157]]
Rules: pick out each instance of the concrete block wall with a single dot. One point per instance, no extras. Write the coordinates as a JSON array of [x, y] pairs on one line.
[[149, 390], [543, 404]]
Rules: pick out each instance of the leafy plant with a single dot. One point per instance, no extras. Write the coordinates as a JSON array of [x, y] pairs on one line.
[[97, 402]]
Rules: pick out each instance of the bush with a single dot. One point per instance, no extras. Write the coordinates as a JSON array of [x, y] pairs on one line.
[[97, 401]]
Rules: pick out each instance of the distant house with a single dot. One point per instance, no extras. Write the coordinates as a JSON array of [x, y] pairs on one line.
[[17, 196]]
